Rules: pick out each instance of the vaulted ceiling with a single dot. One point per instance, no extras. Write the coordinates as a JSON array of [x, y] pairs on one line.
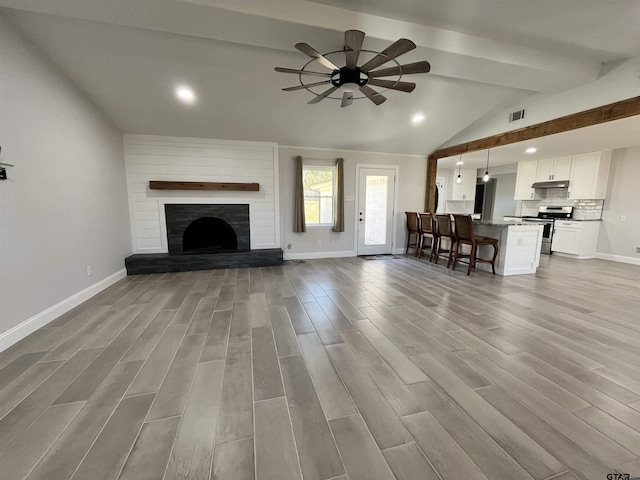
[[129, 55]]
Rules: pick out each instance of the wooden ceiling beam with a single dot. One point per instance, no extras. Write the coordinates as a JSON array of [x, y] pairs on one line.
[[586, 118]]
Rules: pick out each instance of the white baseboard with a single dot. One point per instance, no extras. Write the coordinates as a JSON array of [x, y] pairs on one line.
[[315, 255], [571, 255], [20, 331], [618, 258]]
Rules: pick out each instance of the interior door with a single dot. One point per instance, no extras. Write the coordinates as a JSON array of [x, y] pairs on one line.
[[376, 193]]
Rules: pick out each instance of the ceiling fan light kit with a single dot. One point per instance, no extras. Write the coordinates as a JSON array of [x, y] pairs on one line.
[[350, 78]]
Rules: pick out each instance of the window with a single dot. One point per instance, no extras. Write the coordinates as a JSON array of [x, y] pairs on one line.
[[319, 190]]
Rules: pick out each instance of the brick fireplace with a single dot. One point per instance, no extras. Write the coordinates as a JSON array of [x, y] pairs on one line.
[[151, 158], [207, 228], [205, 237]]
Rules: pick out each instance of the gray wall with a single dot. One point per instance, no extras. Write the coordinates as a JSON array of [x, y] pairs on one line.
[[616, 237], [411, 187], [64, 206], [504, 204]]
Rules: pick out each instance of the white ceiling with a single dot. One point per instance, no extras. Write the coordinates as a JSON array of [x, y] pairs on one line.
[[580, 28], [128, 55]]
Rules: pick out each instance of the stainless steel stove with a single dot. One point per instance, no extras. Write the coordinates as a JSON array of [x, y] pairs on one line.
[[547, 215]]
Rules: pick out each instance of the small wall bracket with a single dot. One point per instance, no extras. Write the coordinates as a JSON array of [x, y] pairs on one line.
[[3, 171]]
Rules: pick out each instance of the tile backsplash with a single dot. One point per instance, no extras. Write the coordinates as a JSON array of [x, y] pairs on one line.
[[582, 209]]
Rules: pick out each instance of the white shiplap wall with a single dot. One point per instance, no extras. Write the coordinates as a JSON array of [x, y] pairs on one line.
[[150, 157]]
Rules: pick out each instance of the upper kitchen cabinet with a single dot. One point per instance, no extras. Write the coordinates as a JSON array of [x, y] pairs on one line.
[[465, 191], [551, 169], [527, 175], [589, 175]]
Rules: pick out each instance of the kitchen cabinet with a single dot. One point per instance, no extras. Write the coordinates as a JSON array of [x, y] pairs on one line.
[[577, 239], [525, 177], [465, 191], [550, 169], [566, 237], [589, 175], [519, 251]]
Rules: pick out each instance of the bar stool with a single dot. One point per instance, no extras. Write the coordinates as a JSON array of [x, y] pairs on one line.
[[413, 228], [427, 231], [465, 236], [444, 230]]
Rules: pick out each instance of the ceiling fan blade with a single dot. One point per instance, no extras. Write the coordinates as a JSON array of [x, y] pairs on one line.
[[347, 99], [353, 43], [313, 53], [301, 72], [418, 67], [374, 96], [394, 50], [401, 86], [300, 87], [322, 96]]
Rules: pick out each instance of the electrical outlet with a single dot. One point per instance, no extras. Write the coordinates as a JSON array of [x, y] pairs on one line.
[[623, 218], [288, 246], [637, 249], [319, 243], [89, 271]]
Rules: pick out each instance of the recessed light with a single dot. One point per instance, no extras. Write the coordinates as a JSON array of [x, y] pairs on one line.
[[531, 150], [185, 94], [417, 118]]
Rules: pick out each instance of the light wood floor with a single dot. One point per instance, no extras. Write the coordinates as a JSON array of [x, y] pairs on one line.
[[333, 369]]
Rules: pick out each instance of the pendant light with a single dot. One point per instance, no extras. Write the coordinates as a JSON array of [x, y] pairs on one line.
[[486, 177], [459, 163]]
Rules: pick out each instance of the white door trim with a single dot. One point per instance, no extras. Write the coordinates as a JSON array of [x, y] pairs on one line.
[[360, 166]]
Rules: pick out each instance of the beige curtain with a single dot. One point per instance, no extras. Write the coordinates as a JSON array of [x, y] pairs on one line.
[[299, 224], [338, 221]]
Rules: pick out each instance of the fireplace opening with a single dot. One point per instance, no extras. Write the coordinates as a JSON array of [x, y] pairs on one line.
[[207, 228], [209, 235]]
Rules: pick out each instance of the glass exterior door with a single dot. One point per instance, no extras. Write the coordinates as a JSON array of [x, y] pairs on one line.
[[376, 191]]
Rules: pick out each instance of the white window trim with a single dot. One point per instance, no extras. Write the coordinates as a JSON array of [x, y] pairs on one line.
[[326, 168]]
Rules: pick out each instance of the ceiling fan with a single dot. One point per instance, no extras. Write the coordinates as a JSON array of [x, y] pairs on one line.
[[351, 77]]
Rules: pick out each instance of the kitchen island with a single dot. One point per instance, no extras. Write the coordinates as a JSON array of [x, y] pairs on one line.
[[519, 246]]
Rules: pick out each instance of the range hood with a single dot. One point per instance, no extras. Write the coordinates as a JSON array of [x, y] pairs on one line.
[[553, 184]]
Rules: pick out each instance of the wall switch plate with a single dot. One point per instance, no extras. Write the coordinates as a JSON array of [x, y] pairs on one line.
[[623, 218], [319, 243], [89, 271], [288, 246]]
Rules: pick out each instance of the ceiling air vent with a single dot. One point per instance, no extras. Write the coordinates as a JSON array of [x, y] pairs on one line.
[[517, 115]]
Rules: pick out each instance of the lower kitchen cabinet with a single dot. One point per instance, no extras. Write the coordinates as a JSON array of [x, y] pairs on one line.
[[576, 239]]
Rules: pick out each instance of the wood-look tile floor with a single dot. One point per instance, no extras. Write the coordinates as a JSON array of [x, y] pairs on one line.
[[333, 369]]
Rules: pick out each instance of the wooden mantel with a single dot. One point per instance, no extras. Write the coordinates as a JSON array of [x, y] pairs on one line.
[[226, 186]]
